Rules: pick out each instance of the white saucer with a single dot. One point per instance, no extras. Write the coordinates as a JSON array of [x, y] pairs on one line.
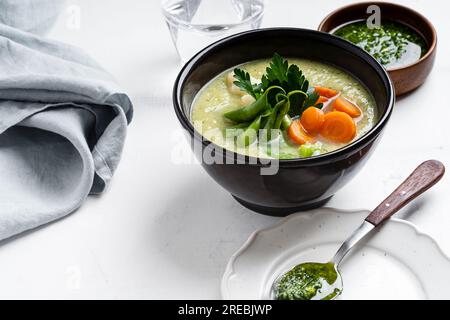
[[396, 262]]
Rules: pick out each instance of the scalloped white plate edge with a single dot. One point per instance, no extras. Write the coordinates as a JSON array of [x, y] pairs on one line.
[[229, 270]]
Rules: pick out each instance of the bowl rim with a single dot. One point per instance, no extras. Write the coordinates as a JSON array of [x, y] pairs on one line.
[[433, 42], [335, 155]]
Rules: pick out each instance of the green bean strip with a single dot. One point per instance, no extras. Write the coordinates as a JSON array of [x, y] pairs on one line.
[[297, 99], [290, 94], [250, 134], [272, 118], [286, 122], [281, 114], [242, 125], [248, 113]]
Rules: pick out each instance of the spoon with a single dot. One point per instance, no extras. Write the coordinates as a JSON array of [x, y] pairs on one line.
[[323, 281]]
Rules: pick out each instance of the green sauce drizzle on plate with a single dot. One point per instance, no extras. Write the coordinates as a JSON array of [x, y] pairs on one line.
[[392, 44], [305, 281]]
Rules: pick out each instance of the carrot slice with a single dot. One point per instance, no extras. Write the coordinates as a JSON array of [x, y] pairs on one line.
[[322, 99], [338, 127], [326, 92], [298, 133], [312, 119], [344, 105]]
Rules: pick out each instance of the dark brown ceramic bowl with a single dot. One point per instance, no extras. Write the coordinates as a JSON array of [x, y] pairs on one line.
[[300, 184], [406, 78]]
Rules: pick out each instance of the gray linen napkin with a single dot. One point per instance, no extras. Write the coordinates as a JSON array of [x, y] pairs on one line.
[[36, 16], [63, 123]]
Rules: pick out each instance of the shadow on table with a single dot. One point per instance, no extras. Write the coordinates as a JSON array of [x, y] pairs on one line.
[[42, 228], [202, 226]]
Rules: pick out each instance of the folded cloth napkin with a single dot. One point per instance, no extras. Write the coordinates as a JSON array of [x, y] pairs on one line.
[[36, 16], [63, 123]]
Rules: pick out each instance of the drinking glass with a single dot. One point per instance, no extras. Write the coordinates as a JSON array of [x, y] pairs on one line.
[[194, 24]]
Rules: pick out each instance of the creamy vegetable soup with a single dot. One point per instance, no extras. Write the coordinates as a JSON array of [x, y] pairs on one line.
[[283, 109]]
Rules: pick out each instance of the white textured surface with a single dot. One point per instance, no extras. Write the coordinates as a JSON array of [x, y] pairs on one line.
[[154, 235], [384, 265]]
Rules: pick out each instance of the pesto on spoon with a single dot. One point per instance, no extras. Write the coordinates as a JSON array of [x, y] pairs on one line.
[[322, 281]]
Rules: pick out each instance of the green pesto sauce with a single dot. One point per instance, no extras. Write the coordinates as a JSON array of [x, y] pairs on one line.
[[306, 281], [392, 44]]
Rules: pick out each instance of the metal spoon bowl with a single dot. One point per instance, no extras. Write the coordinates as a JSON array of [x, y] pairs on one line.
[[424, 177]]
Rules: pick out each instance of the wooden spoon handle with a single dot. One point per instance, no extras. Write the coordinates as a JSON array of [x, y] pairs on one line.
[[424, 177]]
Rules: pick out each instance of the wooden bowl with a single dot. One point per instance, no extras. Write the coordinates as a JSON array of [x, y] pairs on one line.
[[406, 78]]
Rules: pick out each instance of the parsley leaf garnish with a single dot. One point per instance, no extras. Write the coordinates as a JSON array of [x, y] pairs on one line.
[[276, 72], [244, 82], [311, 100], [280, 73]]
